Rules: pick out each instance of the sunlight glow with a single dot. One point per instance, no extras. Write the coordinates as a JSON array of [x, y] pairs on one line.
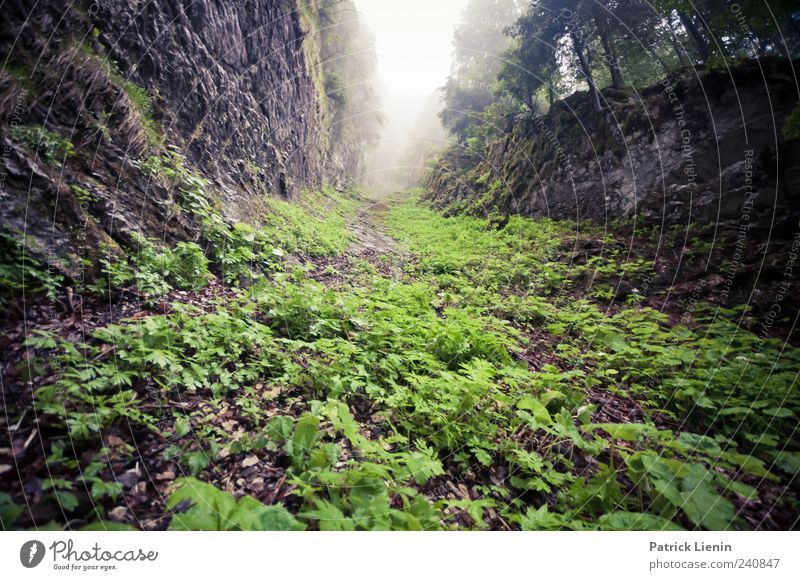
[[414, 42]]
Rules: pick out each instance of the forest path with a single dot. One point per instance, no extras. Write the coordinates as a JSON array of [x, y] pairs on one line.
[[420, 333], [369, 230], [372, 243]]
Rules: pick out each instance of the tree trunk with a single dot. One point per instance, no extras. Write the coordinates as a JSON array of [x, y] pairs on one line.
[[577, 46], [679, 52], [608, 48], [688, 24], [673, 39], [660, 60]]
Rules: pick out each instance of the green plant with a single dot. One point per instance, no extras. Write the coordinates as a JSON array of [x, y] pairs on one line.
[[791, 127], [21, 274], [170, 170], [49, 146], [213, 510], [83, 195], [143, 104], [156, 272], [361, 496], [472, 371]]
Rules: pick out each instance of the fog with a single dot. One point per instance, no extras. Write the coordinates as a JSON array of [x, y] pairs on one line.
[[414, 42]]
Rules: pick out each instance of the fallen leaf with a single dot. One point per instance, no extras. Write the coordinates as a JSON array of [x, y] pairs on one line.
[[272, 393], [250, 461], [118, 514], [168, 475]]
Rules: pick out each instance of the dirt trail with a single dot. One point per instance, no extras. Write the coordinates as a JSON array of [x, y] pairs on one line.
[[373, 244], [367, 225]]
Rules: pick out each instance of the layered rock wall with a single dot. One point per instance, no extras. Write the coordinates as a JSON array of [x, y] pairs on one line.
[[700, 146], [235, 89]]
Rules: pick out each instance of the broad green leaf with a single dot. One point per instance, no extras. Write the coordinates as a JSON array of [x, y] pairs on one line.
[[422, 467], [106, 526], [305, 435], [692, 442], [197, 461], [329, 517], [476, 507], [279, 429], [539, 412], [788, 461], [624, 431], [702, 504], [9, 511], [67, 500], [204, 507], [182, 426], [630, 521], [541, 519]]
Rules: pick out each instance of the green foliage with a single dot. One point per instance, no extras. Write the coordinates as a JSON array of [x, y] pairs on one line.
[[314, 232], [314, 227], [142, 103], [791, 127], [9, 511], [712, 377], [478, 39], [82, 194], [363, 495], [213, 510], [47, 145], [242, 252], [374, 393], [170, 170], [185, 352], [155, 272], [23, 275], [342, 44]]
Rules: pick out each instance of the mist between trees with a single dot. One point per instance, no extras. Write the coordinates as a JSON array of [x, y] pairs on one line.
[[513, 60]]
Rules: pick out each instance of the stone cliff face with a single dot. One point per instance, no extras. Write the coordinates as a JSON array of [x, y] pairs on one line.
[[232, 90], [232, 80], [701, 146]]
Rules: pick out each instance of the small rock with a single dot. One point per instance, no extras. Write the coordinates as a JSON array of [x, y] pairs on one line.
[[128, 479]]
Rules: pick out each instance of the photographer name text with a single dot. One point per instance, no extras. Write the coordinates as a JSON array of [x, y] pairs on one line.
[[690, 547]]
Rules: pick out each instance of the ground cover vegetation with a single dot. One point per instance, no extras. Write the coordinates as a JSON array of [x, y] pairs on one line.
[[468, 377]]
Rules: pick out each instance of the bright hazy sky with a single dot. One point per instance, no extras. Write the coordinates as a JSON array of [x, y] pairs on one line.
[[414, 41]]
